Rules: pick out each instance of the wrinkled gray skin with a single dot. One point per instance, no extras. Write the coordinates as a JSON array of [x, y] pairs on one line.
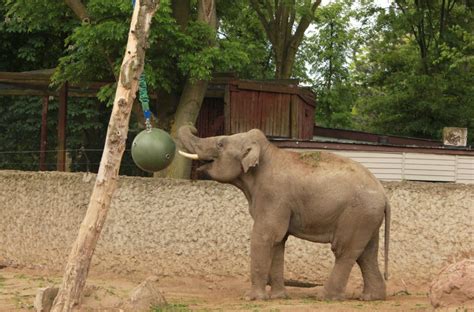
[[320, 197]]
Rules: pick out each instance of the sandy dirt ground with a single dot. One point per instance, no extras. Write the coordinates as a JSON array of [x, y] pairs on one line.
[[105, 293]]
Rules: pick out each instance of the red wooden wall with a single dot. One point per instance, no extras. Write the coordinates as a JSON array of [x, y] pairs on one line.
[[211, 118], [282, 111], [267, 111]]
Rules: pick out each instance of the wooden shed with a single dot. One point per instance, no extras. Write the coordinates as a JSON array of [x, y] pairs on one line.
[[280, 108]]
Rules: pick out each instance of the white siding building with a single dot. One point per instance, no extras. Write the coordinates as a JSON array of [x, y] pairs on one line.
[[398, 166], [392, 158]]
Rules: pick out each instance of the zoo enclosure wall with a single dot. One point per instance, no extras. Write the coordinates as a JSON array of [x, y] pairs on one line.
[[197, 228]]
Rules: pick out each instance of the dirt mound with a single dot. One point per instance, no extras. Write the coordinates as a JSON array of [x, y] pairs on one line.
[[454, 286]]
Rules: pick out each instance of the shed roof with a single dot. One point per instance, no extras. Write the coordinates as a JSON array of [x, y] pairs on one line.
[[352, 140]]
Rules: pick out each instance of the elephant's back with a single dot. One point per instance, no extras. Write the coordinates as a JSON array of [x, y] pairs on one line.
[[327, 165], [328, 161]]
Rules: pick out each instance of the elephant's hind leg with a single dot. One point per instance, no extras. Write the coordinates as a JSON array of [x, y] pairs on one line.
[[335, 287], [374, 285], [347, 246]]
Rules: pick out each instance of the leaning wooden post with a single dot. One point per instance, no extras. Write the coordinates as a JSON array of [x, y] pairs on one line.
[[80, 257]]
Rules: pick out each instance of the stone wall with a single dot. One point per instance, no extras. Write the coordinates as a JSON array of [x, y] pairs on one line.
[[182, 227]]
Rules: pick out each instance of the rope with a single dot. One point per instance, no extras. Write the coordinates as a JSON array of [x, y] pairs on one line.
[[143, 96]]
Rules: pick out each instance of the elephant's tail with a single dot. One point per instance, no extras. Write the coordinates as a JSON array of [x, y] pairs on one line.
[[387, 237]]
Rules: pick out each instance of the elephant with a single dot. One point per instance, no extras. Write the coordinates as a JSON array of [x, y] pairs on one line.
[[317, 196]]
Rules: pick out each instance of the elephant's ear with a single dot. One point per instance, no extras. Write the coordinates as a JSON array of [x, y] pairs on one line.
[[251, 156]]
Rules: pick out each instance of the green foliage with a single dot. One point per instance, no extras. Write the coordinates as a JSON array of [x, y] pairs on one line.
[[19, 132], [327, 52], [24, 43], [406, 69], [172, 54], [30, 16], [414, 80], [93, 52], [240, 31], [20, 127], [172, 307]]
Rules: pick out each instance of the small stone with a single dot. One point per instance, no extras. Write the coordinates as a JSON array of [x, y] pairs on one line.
[[89, 290], [145, 296], [44, 299], [454, 287]]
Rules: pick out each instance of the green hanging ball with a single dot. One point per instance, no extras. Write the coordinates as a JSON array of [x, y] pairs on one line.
[[153, 150]]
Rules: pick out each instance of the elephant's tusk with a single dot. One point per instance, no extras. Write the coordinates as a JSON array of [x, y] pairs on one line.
[[187, 155]]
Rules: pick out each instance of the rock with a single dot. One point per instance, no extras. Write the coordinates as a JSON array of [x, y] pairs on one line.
[[145, 296], [454, 287], [89, 290], [44, 299]]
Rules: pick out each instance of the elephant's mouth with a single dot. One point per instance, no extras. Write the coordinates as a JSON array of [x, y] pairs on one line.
[[205, 164]]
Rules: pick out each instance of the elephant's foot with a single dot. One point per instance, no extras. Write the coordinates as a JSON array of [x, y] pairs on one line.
[[373, 296], [333, 295], [256, 295], [279, 293]]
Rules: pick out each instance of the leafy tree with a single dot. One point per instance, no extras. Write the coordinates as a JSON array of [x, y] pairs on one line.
[[416, 74], [29, 46], [327, 52], [35, 40], [184, 51], [240, 26]]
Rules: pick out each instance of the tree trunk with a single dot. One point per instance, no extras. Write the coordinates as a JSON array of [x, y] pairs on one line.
[[187, 113], [278, 20], [181, 12], [191, 98], [169, 100], [82, 251], [288, 63]]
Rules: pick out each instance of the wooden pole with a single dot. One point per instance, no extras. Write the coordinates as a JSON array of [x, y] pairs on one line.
[[44, 133], [77, 268], [62, 119]]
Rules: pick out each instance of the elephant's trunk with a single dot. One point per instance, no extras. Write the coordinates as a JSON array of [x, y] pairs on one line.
[[195, 147], [187, 141]]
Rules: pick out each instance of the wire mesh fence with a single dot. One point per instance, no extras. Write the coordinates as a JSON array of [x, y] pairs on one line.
[[77, 160]]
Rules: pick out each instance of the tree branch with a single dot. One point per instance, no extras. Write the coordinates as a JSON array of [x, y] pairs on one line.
[[269, 7], [267, 23], [303, 25], [451, 5], [278, 15], [292, 19], [441, 18], [285, 29], [411, 24], [79, 9], [207, 12]]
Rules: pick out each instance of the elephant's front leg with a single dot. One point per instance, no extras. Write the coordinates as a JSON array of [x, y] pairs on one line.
[[260, 262], [266, 236], [277, 281]]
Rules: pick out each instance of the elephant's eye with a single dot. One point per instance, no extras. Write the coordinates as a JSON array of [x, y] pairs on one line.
[[220, 145]]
